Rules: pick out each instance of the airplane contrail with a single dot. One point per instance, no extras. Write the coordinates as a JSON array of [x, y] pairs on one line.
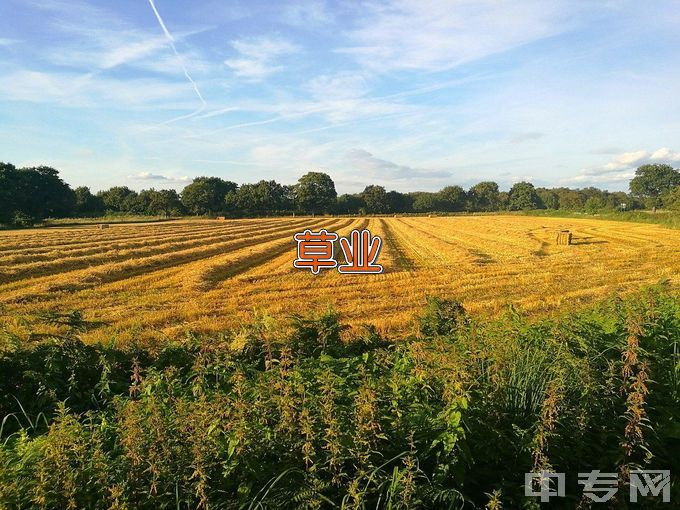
[[171, 39]]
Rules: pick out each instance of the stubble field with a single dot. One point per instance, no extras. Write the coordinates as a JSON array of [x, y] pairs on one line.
[[153, 282]]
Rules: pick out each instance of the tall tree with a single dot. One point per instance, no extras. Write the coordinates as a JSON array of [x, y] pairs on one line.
[[452, 198], [549, 198], [315, 193], [523, 196], [349, 204], [671, 200], [9, 186], [375, 198], [264, 197], [399, 202], [118, 198], [484, 196], [47, 194], [424, 201], [652, 181], [206, 195], [86, 203], [31, 194], [569, 199], [164, 202]]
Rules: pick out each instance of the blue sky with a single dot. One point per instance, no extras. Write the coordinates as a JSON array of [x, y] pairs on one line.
[[412, 95]]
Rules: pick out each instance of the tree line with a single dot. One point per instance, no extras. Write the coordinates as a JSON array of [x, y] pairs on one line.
[[29, 195]]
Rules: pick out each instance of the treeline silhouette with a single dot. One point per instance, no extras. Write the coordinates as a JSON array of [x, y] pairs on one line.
[[29, 195]]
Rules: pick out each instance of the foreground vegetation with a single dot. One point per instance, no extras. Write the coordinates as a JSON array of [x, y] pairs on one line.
[[306, 413]]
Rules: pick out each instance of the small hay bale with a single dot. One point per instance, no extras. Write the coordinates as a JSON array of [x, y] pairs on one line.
[[221, 218], [102, 226], [564, 237]]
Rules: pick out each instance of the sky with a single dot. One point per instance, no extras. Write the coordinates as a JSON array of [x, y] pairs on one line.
[[408, 94]]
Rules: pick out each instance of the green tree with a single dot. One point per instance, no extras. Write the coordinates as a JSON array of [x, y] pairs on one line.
[[523, 196], [46, 194], [594, 205], [549, 198], [164, 202], [452, 199], [398, 202], [87, 204], [9, 199], [315, 193], [31, 194], [264, 197], [118, 198], [570, 199], [424, 201], [484, 196], [206, 195], [652, 181], [349, 204], [617, 198], [671, 199], [375, 198]]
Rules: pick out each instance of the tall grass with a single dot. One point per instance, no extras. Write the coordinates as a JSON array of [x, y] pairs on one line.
[[308, 414]]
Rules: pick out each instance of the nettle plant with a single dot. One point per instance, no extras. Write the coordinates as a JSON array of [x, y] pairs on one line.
[[307, 413]]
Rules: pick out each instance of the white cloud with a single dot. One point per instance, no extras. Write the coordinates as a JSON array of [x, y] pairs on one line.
[[587, 179], [307, 14], [525, 137], [107, 50], [665, 154], [96, 38], [339, 86], [257, 56], [367, 164], [626, 160], [621, 167], [77, 90], [606, 150], [8, 42], [441, 34], [147, 176], [637, 158]]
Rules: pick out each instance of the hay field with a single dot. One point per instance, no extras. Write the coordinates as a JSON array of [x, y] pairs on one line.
[[153, 282]]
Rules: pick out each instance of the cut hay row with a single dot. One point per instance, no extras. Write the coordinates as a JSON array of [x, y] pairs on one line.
[[102, 239], [77, 280], [652, 236], [478, 248], [102, 246], [45, 238], [401, 260], [155, 294], [424, 253], [446, 250], [388, 256], [64, 264], [156, 301], [475, 288], [214, 270], [488, 231], [337, 250], [64, 236], [282, 265]]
